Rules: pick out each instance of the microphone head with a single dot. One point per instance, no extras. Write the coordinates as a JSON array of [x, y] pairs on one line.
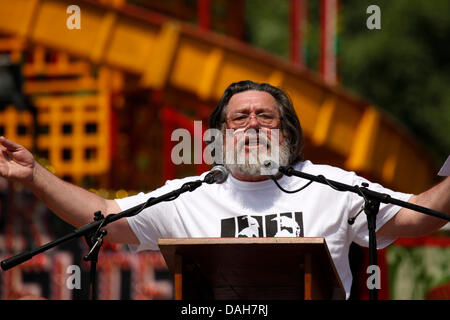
[[220, 173], [270, 168]]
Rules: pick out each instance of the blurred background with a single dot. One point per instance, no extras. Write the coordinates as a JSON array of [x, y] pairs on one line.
[[97, 106]]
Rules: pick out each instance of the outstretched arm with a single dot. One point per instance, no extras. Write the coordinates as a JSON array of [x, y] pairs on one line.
[[71, 203], [410, 223]]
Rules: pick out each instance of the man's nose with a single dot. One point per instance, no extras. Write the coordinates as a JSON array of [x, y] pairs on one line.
[[253, 122]]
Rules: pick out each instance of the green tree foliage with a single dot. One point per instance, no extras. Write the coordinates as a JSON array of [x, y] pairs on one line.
[[404, 68], [268, 25]]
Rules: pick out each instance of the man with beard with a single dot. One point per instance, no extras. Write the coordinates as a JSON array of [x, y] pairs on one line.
[[225, 210]]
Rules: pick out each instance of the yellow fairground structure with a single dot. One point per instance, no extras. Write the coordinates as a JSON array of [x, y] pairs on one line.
[[163, 54]]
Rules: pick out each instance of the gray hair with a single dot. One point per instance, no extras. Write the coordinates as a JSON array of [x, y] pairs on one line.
[[290, 125]]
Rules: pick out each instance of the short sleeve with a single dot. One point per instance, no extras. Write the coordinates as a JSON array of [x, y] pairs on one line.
[[150, 224], [386, 212]]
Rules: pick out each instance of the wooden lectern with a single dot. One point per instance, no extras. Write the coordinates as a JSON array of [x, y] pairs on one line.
[[251, 268]]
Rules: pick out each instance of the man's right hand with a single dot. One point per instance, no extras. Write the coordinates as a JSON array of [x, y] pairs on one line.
[[16, 162]]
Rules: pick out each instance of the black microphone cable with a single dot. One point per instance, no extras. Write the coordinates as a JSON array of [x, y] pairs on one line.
[[289, 191], [270, 165]]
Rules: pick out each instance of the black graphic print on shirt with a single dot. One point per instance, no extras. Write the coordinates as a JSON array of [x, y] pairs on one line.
[[288, 224]]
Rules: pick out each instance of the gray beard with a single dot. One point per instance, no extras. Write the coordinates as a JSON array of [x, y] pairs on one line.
[[254, 164]]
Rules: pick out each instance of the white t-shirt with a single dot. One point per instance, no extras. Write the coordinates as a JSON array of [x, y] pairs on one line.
[[260, 209]]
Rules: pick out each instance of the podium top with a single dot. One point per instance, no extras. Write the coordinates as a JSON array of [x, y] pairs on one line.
[[226, 241], [234, 265]]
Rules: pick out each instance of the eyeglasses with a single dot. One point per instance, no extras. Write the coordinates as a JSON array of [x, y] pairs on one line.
[[241, 120]]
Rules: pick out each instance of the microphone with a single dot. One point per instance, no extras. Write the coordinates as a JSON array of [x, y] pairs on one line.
[[217, 174], [270, 168]]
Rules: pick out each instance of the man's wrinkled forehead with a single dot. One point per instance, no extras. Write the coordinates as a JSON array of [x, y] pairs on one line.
[[251, 100]]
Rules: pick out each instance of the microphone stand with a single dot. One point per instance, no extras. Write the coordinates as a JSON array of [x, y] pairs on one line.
[[94, 233], [371, 207]]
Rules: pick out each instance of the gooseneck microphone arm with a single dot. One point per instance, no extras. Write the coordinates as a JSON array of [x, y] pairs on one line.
[[94, 232], [371, 206], [363, 191], [98, 223]]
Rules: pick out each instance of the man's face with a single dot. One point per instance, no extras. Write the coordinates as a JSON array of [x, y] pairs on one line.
[[253, 132]]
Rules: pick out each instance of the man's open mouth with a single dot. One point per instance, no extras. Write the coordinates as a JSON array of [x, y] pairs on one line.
[[253, 142]]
